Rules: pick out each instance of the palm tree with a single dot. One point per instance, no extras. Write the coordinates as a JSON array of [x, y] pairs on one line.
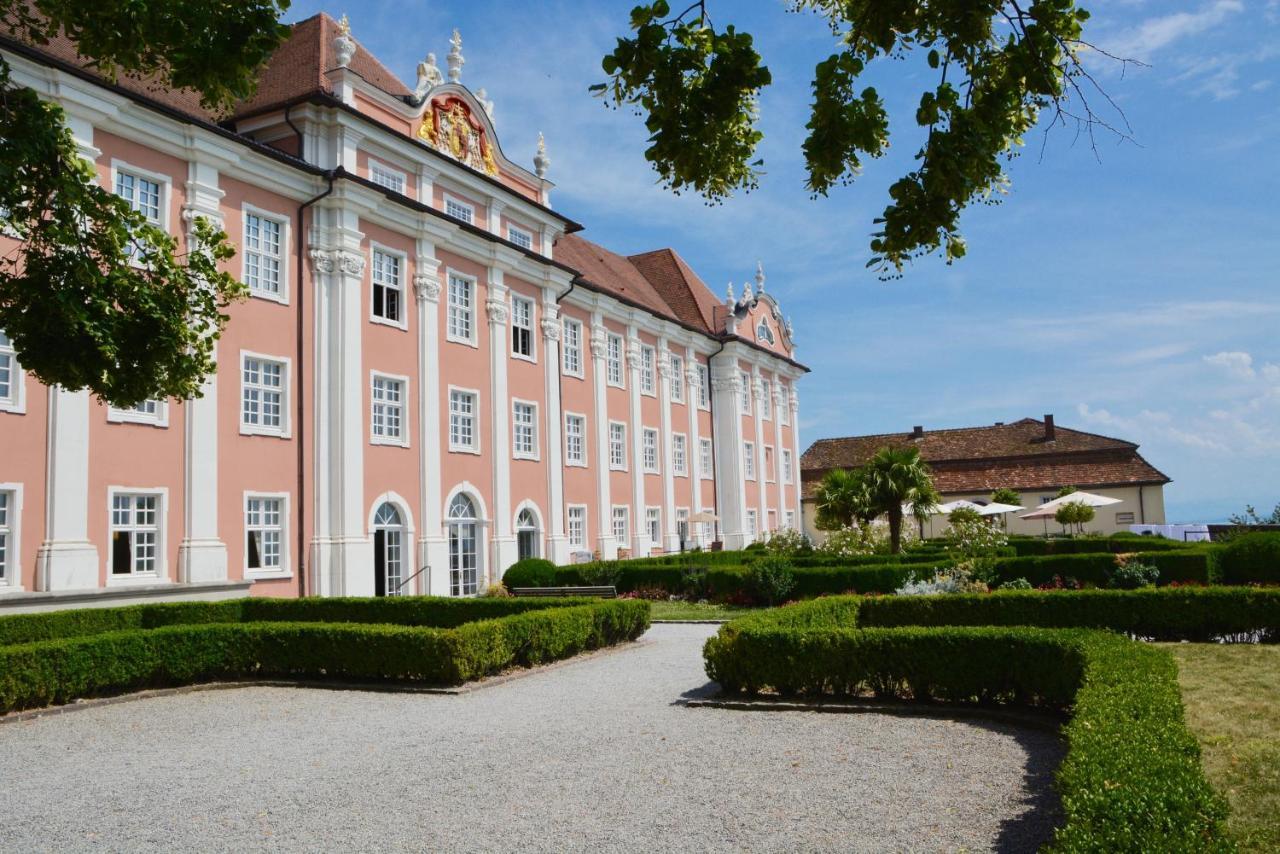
[[894, 478], [841, 499]]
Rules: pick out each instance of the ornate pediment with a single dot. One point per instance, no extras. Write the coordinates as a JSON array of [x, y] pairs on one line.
[[449, 126]]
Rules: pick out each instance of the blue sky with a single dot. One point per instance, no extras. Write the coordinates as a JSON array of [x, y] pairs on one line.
[[1135, 293]]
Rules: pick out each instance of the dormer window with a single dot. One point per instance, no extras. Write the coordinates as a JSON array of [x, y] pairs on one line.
[[763, 332], [459, 209], [385, 176]]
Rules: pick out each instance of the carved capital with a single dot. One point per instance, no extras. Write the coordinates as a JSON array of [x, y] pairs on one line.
[[497, 309], [322, 260], [732, 383], [427, 287], [599, 342], [633, 353], [691, 375], [550, 329], [352, 264]]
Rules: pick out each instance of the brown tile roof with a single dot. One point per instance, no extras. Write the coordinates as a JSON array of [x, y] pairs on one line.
[[299, 67], [295, 70], [687, 295], [981, 459]]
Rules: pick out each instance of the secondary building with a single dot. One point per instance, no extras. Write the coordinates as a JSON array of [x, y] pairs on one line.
[[434, 374], [1032, 457]]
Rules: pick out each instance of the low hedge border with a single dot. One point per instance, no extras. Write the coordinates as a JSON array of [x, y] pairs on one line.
[[1037, 546], [191, 649], [1131, 779]]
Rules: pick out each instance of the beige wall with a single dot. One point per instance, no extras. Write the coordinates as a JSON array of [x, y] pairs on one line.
[[1148, 509]]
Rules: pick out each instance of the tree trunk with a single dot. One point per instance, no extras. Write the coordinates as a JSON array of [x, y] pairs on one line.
[[895, 530]]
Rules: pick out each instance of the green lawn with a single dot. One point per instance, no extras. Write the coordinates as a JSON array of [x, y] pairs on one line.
[[694, 611], [1232, 695]]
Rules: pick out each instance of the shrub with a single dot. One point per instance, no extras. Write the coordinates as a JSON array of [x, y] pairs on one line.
[[1015, 584], [1131, 779], [62, 669], [941, 582], [973, 536], [771, 579], [497, 590], [853, 541], [1132, 575], [694, 582], [531, 572], [1251, 558], [604, 573], [789, 541]]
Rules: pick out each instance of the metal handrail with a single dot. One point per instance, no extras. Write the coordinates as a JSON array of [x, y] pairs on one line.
[[401, 585]]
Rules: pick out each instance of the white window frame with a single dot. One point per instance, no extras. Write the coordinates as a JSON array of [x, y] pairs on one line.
[[16, 400], [472, 340], [706, 459], [680, 457], [247, 210], [764, 460], [682, 518], [527, 234], [531, 329], [535, 454], [676, 377], [165, 182], [569, 525], [753, 525], [11, 566], [622, 446], [161, 573], [766, 399], [581, 460], [704, 386], [623, 539], [116, 415], [474, 447], [749, 460], [613, 360], [401, 441], [390, 175], [652, 517], [789, 518], [450, 198], [784, 407], [785, 463], [565, 348], [403, 259], [649, 443], [285, 570], [746, 393], [648, 371], [285, 430]]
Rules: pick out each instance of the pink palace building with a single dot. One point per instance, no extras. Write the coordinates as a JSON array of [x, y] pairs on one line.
[[433, 377]]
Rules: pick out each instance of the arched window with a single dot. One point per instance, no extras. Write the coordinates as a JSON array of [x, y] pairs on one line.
[[763, 332], [388, 551], [526, 534], [464, 549]]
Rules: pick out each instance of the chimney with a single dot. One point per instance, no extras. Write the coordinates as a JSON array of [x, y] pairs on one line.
[[999, 423], [917, 433], [1049, 433]]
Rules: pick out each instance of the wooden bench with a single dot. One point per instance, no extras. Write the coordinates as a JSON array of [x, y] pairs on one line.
[[607, 592]]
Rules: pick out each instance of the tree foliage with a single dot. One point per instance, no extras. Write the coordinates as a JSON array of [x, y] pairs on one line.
[[897, 482], [840, 500], [1075, 514], [996, 66], [92, 295], [1251, 516], [1005, 495]]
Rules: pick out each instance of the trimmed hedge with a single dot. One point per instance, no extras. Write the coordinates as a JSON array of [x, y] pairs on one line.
[[1037, 546], [1131, 779], [1094, 568], [1251, 558], [530, 572], [190, 649]]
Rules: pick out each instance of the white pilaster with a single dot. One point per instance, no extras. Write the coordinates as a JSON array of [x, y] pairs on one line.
[[503, 549], [600, 416], [762, 484], [557, 542], [202, 556], [343, 551], [639, 536], [496, 207], [695, 441], [795, 453], [432, 545], [66, 560], [670, 536], [731, 494]]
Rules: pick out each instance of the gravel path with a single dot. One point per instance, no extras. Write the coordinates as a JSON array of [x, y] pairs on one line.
[[598, 755]]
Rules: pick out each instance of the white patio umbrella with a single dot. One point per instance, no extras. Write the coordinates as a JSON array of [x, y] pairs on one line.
[[997, 509], [952, 506], [1049, 508]]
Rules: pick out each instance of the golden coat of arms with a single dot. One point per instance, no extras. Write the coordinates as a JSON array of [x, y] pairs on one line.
[[449, 127]]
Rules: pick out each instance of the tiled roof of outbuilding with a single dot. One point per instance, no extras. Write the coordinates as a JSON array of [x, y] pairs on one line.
[[982, 459]]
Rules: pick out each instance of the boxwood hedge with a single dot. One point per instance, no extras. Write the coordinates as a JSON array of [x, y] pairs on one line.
[[1131, 779], [68, 655]]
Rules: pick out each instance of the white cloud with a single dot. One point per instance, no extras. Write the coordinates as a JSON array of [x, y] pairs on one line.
[[1233, 362], [1154, 34]]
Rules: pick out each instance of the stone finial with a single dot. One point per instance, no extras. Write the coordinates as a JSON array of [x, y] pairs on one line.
[[429, 76], [540, 160], [455, 57], [343, 45], [483, 97], [759, 277], [728, 295], [747, 295], [791, 333]]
